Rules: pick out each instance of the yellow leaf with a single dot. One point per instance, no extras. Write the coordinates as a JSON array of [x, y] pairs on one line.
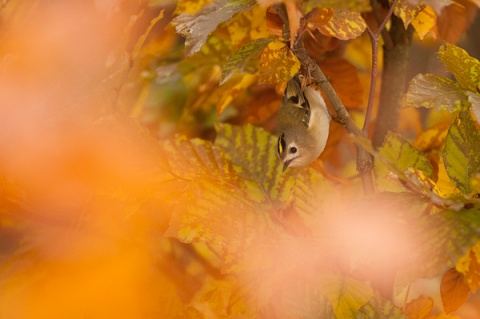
[[344, 25], [236, 85], [425, 21], [407, 11], [248, 26], [469, 266], [433, 138], [445, 186], [277, 63], [190, 6]]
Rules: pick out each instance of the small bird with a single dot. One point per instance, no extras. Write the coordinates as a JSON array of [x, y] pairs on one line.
[[303, 123]]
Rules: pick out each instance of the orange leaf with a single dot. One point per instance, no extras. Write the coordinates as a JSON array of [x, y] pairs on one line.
[[319, 18], [232, 88], [419, 308], [344, 25], [274, 22], [424, 22], [455, 20], [454, 290], [344, 79]]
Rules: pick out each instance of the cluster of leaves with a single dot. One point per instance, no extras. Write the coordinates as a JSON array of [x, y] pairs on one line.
[[241, 238], [264, 222]]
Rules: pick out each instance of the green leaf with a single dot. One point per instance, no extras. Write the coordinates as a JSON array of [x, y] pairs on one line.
[[197, 27], [346, 295], [238, 61], [461, 153], [429, 90], [465, 68], [400, 155]]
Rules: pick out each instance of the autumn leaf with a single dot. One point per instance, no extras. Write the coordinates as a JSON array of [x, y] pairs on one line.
[[242, 175], [238, 61], [277, 63], [461, 157], [455, 19], [407, 10], [355, 5], [469, 267], [141, 40], [319, 18], [190, 6], [424, 22], [197, 27], [248, 26], [432, 139], [419, 308], [429, 90], [453, 290], [380, 308], [346, 295], [262, 166], [345, 80], [236, 86], [465, 68], [400, 154], [344, 25]]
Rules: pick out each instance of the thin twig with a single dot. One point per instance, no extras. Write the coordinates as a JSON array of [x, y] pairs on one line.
[[374, 39]]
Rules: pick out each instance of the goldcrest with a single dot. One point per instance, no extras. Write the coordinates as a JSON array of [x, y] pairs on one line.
[[303, 124]]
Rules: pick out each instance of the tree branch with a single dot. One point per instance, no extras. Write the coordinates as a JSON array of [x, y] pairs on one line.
[[374, 37], [393, 80]]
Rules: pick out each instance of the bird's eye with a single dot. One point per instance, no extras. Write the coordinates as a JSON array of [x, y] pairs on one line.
[[293, 150]]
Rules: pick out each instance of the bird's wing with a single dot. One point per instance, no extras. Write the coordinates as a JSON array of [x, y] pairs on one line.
[[294, 100]]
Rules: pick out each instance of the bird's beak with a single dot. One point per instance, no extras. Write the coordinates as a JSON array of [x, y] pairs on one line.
[[285, 165]]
